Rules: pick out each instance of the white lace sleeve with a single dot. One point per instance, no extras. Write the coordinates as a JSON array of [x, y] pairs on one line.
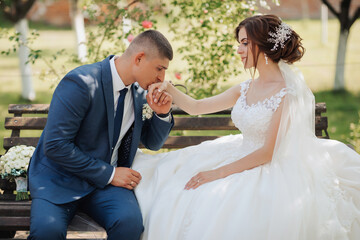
[[244, 87]]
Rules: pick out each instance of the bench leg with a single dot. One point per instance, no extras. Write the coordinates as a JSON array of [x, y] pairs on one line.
[[7, 234]]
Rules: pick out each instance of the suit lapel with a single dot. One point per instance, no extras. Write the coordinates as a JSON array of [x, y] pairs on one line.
[[107, 84]]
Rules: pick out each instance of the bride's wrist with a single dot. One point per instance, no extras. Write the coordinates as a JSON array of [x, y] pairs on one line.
[[169, 84], [222, 172]]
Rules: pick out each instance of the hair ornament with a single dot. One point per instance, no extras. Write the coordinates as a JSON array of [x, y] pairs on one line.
[[283, 33]]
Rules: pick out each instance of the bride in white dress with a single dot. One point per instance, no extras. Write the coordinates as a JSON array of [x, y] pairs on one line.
[[274, 181]]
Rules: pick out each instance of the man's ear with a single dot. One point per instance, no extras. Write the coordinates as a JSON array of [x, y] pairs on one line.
[[139, 57]]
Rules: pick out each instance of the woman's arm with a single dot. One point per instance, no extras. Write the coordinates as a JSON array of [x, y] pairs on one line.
[[259, 157], [192, 106]]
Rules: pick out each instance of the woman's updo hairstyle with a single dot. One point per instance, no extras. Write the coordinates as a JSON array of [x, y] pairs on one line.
[[259, 29]]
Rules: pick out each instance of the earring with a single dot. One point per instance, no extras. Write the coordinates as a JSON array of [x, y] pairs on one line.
[[266, 59]]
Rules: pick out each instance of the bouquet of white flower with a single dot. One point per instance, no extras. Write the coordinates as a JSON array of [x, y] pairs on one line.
[[13, 167]]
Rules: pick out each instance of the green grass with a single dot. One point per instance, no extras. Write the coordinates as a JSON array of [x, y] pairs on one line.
[[318, 67], [342, 109]]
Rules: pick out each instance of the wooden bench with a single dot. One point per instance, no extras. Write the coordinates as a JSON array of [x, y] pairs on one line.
[[188, 130]]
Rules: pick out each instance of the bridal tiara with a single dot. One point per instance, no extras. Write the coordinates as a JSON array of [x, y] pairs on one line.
[[283, 33]]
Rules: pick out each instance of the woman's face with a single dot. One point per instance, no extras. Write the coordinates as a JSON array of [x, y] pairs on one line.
[[244, 49]]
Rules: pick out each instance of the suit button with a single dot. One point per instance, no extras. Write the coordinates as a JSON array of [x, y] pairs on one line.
[[112, 148]]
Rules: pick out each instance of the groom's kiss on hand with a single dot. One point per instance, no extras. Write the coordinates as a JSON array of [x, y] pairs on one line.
[[94, 127]]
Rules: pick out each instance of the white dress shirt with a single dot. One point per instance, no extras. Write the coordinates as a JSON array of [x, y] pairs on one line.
[[128, 115]]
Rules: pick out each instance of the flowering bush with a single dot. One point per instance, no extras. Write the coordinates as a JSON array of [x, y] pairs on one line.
[[203, 30], [13, 167], [355, 135], [146, 24]]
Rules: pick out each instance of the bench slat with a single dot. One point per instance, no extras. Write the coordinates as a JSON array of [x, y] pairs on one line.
[[320, 108], [15, 216], [44, 108], [15, 223], [185, 141], [28, 108], [171, 142], [203, 123], [181, 123], [25, 122], [21, 208], [177, 111], [14, 141], [321, 123]]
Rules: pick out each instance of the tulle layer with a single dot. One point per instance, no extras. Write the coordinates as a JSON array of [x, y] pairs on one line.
[[312, 195]]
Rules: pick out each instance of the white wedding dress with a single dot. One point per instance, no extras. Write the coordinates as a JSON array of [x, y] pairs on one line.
[[304, 198]]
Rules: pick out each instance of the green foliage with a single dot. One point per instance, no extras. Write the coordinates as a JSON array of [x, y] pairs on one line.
[[205, 30], [355, 135], [53, 72], [341, 106], [109, 36]]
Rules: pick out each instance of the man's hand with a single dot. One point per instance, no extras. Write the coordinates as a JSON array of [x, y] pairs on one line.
[[162, 105], [126, 178]]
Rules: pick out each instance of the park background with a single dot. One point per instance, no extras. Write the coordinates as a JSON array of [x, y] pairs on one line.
[[53, 22]]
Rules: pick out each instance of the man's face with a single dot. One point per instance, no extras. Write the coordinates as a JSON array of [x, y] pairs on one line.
[[151, 70]]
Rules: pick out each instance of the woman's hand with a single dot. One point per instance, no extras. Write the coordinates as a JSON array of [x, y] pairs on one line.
[[155, 92], [163, 106], [203, 177]]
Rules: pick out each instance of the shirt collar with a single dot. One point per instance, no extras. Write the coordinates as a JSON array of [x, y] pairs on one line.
[[118, 84]]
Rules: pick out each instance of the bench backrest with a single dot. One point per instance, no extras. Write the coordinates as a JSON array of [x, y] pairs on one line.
[[188, 130]]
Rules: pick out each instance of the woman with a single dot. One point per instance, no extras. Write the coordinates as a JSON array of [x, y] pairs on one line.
[[274, 181]]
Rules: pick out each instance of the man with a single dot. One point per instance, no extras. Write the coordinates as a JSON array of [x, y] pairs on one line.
[[94, 127]]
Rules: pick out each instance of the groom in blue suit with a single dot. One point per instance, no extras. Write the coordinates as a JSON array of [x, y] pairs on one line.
[[94, 127]]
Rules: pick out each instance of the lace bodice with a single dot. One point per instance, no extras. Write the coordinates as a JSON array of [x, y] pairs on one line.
[[253, 120]]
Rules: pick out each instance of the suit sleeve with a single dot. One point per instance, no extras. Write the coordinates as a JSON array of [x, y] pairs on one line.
[[68, 108], [155, 132]]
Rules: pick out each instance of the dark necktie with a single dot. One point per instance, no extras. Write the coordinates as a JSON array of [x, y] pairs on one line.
[[124, 149], [119, 116]]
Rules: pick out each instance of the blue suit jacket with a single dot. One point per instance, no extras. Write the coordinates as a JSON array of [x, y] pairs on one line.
[[73, 155]]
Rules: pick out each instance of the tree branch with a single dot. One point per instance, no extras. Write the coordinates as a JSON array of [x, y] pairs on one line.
[[22, 8], [6, 9], [16, 10], [133, 2], [356, 16], [331, 8]]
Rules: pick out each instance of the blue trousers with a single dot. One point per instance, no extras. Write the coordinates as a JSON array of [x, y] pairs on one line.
[[115, 209]]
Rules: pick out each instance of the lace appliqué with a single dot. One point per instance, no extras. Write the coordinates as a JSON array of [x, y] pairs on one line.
[[253, 120], [340, 199], [271, 103]]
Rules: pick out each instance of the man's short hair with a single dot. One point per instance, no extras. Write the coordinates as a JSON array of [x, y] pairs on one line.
[[152, 40]]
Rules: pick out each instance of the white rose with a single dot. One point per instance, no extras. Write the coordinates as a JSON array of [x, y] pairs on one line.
[[7, 169], [10, 156], [17, 165]]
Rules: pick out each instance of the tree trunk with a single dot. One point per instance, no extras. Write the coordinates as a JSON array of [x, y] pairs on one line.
[[339, 83], [305, 9], [79, 28], [27, 89], [324, 24]]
